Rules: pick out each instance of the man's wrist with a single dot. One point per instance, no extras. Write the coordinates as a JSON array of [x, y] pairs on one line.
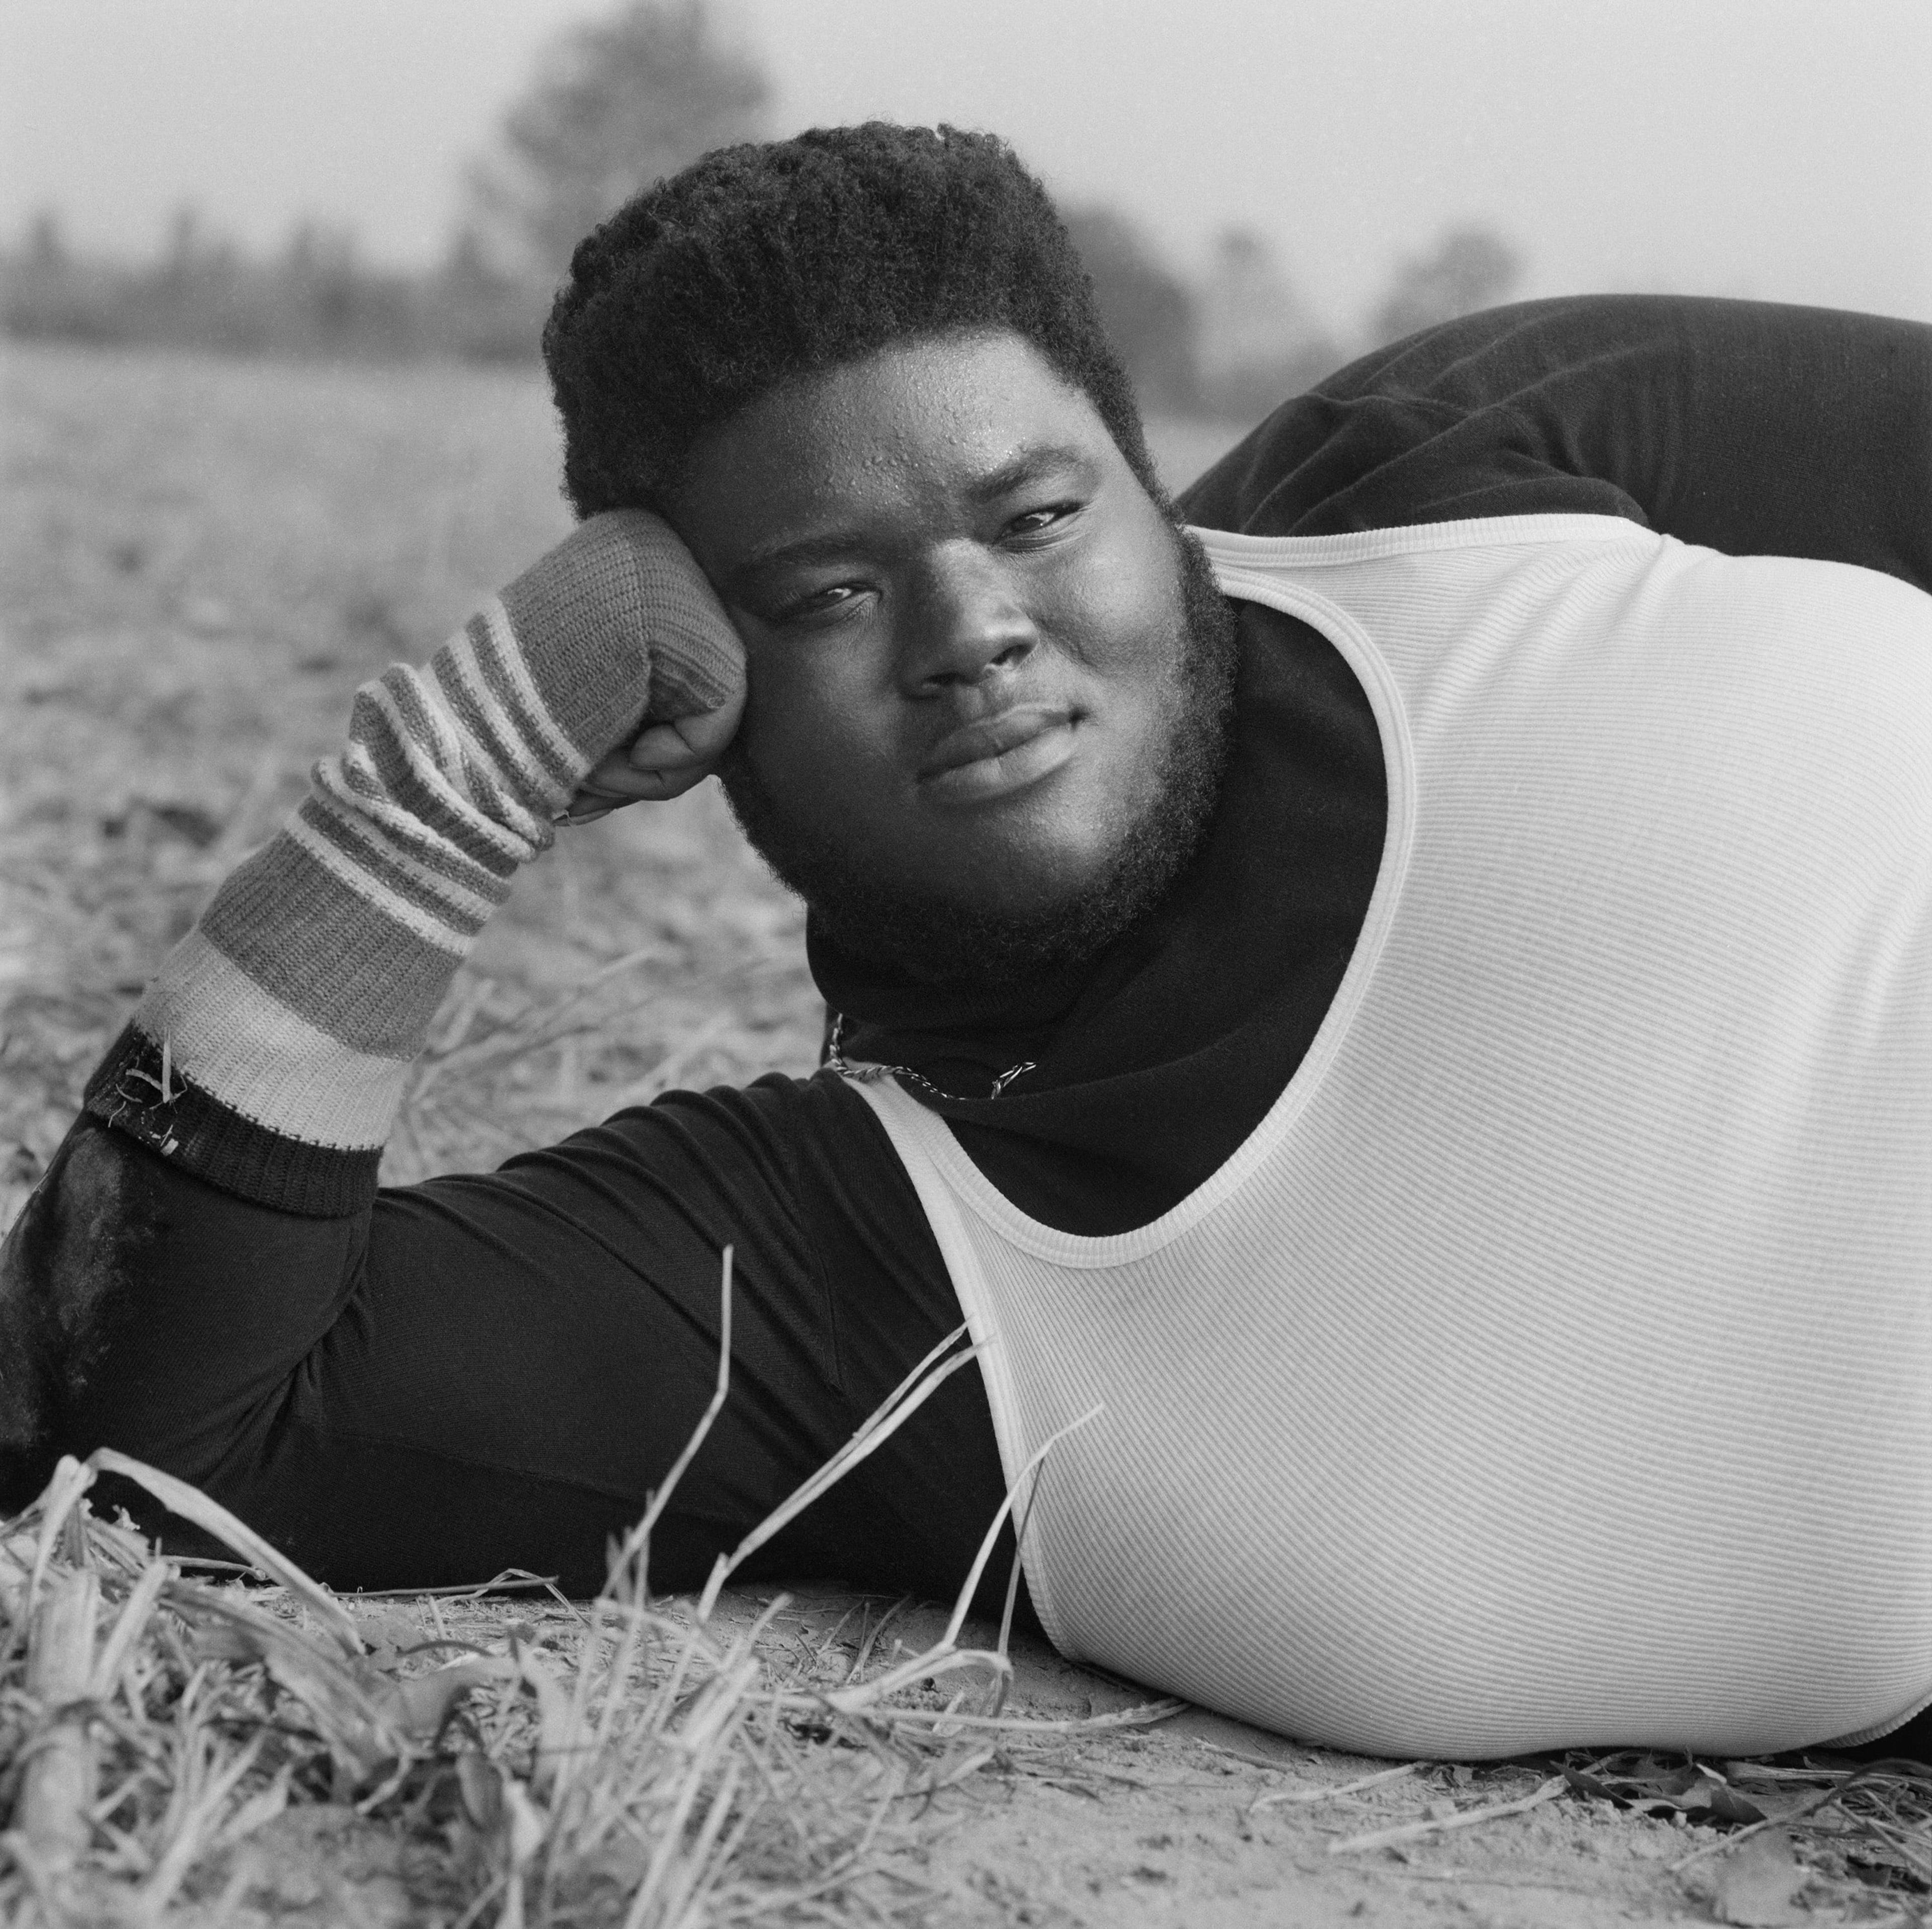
[[137, 1090]]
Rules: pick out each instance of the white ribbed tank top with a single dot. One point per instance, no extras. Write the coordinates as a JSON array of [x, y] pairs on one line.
[[1552, 1365]]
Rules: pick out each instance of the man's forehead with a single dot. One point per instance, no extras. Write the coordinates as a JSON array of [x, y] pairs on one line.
[[980, 388]]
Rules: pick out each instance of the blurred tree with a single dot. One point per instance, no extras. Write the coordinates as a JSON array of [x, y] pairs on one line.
[[467, 268], [474, 309], [1472, 268], [1259, 342], [45, 292], [616, 103], [1148, 312], [316, 289], [181, 250], [46, 246]]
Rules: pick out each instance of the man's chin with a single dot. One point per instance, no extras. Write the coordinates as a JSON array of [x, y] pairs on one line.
[[956, 941], [953, 938]]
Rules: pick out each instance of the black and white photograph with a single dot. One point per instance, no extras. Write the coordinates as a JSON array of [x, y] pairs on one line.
[[965, 965]]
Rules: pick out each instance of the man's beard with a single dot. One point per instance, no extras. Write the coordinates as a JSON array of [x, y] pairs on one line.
[[944, 940]]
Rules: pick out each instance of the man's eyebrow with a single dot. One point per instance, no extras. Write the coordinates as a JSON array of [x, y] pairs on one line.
[[808, 549], [1030, 465]]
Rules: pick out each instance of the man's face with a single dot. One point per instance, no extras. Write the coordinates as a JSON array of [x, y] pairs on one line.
[[965, 627]]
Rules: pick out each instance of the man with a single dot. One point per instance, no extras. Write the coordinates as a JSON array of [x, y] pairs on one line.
[[1405, 1026]]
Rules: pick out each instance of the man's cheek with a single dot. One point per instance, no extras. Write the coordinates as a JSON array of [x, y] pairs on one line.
[[1124, 617], [777, 728], [818, 762]]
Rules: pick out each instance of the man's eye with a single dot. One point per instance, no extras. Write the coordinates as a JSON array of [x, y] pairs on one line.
[[832, 600], [1035, 522]]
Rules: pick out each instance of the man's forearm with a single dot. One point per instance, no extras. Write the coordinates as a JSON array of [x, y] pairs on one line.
[[269, 1055]]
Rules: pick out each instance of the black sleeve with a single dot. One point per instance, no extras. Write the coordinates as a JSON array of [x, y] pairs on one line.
[[491, 1371], [1746, 426]]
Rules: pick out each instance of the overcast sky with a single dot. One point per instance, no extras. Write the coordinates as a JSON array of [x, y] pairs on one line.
[[1780, 148]]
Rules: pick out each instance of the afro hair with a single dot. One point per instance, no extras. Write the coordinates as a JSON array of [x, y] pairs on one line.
[[762, 263]]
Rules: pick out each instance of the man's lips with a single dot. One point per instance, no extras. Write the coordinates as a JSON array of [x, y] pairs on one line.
[[994, 755]]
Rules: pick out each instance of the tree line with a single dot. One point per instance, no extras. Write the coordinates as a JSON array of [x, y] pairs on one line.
[[619, 102]]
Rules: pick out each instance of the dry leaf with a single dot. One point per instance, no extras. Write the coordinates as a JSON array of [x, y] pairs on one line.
[[419, 1706], [1656, 1785]]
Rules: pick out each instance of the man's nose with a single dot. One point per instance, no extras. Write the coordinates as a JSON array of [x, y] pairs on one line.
[[965, 619]]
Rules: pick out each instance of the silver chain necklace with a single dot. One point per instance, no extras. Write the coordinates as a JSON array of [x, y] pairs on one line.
[[836, 1058]]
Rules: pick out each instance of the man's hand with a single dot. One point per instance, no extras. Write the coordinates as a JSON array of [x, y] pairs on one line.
[[663, 760], [631, 650]]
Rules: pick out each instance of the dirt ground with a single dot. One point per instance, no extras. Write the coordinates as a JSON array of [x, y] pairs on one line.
[[1192, 1822], [1157, 1826], [201, 561]]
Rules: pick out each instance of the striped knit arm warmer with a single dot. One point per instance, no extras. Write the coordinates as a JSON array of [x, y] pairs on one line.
[[269, 1055]]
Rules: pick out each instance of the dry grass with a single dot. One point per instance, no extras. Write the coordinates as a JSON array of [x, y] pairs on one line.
[[669, 1767]]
